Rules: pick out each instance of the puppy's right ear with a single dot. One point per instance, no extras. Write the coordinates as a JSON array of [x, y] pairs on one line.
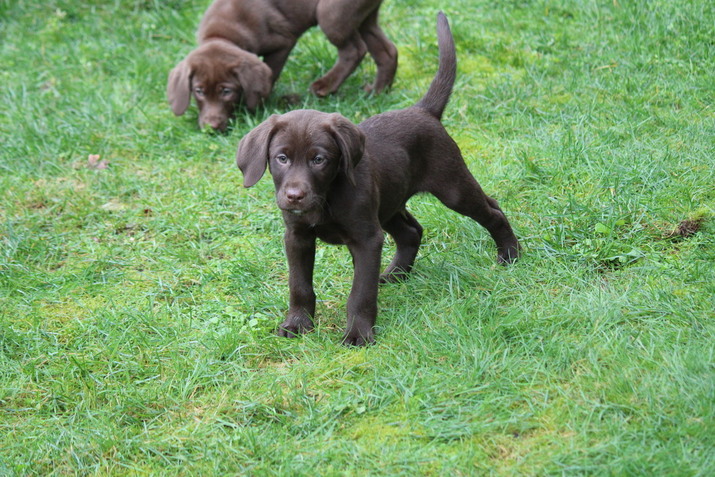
[[252, 154], [178, 88]]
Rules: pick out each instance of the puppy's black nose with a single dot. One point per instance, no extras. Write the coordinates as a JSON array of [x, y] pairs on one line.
[[294, 194]]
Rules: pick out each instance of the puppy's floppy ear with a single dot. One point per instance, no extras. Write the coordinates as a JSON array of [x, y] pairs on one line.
[[255, 78], [178, 88], [351, 142], [252, 154]]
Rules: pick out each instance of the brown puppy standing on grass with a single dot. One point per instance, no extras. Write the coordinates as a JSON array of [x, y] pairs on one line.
[[345, 184], [226, 67]]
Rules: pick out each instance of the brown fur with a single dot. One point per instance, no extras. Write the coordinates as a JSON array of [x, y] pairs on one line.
[[235, 34], [345, 184]]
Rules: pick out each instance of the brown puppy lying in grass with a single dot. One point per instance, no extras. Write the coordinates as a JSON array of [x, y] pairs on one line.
[[345, 184], [226, 67]]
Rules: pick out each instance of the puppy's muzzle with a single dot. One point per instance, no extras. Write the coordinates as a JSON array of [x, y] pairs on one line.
[[295, 198], [217, 123]]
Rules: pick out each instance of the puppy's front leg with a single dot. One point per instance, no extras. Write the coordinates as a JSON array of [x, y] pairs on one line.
[[362, 303], [300, 249], [276, 61]]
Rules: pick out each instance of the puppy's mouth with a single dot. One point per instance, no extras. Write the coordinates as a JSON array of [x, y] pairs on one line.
[[300, 211], [304, 213], [308, 207], [302, 208]]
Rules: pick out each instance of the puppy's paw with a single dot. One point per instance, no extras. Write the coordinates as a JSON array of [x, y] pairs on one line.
[[294, 326], [375, 88], [393, 277], [508, 255], [321, 88], [355, 337]]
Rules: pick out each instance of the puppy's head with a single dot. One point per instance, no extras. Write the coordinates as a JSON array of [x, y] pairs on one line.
[[307, 152], [218, 75]]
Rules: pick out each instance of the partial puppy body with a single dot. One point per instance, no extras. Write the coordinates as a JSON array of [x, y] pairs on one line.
[[226, 68], [346, 184]]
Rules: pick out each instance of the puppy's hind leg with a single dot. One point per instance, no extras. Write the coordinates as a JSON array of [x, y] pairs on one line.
[[462, 193], [382, 50], [340, 25], [407, 232], [351, 51]]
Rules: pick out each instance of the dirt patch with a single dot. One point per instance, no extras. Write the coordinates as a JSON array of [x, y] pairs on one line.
[[686, 229]]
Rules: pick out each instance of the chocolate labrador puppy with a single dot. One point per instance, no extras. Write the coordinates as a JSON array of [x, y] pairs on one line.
[[233, 34], [345, 184]]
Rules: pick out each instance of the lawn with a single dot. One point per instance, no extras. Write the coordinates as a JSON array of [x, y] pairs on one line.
[[140, 283]]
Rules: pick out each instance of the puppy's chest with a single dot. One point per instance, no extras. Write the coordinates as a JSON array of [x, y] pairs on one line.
[[333, 234]]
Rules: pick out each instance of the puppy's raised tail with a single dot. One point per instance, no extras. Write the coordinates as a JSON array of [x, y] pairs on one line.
[[437, 96]]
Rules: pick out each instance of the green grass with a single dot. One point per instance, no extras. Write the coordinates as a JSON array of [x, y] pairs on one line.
[[137, 301]]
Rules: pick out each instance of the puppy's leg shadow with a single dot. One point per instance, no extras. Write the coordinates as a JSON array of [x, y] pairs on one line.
[[407, 232]]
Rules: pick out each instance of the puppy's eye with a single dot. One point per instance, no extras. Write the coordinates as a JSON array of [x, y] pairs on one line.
[[199, 91], [318, 160], [226, 92], [282, 159]]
